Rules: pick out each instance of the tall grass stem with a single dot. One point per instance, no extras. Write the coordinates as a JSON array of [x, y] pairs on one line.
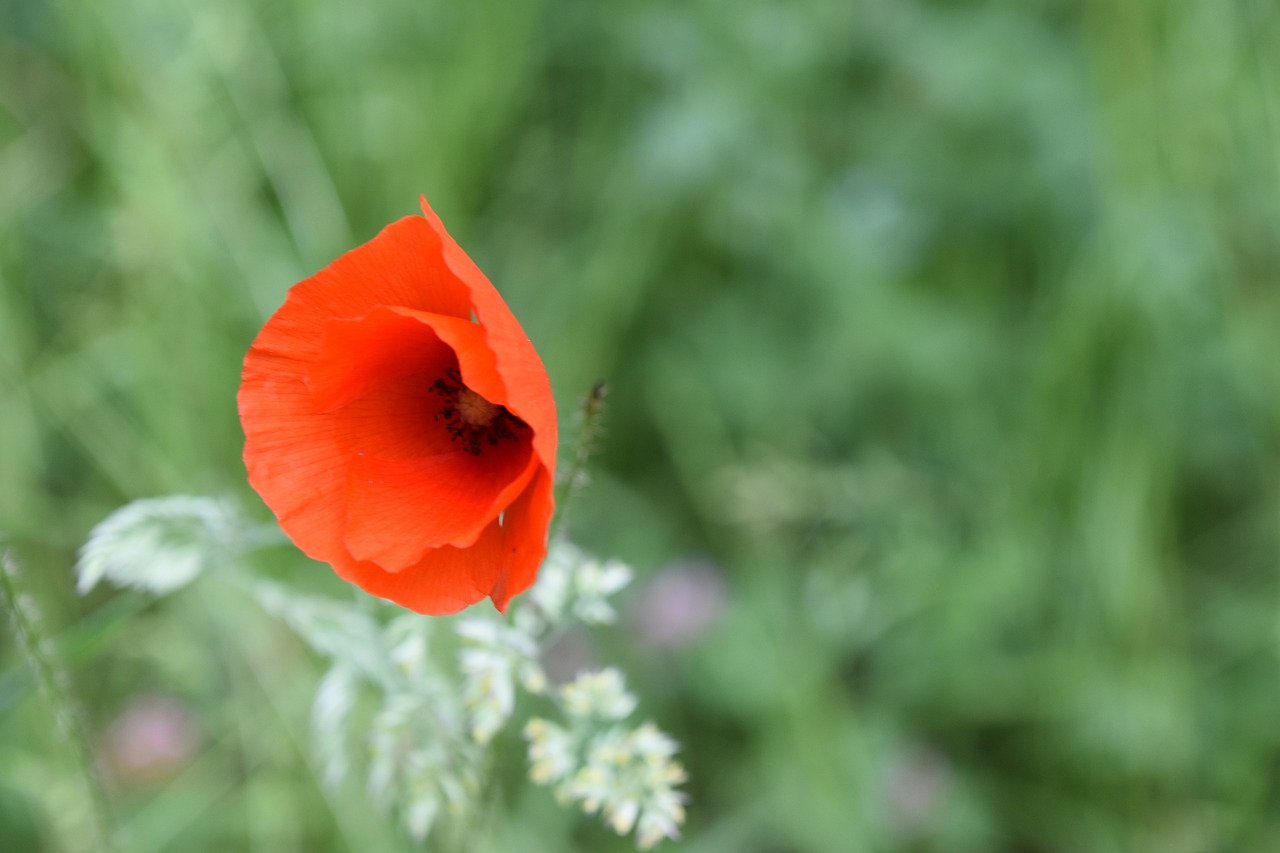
[[571, 481], [28, 626]]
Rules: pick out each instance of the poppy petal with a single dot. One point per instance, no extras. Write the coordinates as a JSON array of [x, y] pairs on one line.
[[397, 510], [402, 266], [528, 389], [390, 343], [294, 459], [524, 526], [379, 348], [444, 581]]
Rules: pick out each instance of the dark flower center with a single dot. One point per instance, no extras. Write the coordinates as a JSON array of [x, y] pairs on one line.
[[470, 418]]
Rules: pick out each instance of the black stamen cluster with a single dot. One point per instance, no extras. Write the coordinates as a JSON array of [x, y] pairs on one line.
[[473, 436]]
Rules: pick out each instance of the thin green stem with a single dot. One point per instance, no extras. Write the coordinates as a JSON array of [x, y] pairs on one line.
[[570, 481], [54, 684]]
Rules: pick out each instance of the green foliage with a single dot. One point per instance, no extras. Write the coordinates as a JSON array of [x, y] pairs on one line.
[[947, 332]]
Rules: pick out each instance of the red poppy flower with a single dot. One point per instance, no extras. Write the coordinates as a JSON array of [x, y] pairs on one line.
[[401, 426]]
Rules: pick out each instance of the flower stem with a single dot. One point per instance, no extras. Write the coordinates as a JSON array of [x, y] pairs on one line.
[[53, 681], [572, 479]]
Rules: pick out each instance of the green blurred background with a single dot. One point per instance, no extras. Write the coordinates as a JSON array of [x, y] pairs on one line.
[[944, 348]]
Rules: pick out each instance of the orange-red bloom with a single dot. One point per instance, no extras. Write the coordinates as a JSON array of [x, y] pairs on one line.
[[401, 426]]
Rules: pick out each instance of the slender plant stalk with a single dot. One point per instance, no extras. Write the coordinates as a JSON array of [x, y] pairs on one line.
[[571, 480], [54, 684]]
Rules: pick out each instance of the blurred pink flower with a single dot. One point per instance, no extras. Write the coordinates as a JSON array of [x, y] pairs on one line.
[[678, 604], [153, 738], [915, 783]]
